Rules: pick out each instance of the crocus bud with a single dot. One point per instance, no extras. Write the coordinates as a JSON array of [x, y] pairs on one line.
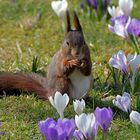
[[126, 6], [60, 7], [104, 117], [59, 102], [119, 61], [134, 61], [115, 11], [79, 106], [85, 123], [123, 102], [135, 117]]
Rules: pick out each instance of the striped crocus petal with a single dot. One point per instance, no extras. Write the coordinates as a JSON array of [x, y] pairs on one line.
[[119, 61]]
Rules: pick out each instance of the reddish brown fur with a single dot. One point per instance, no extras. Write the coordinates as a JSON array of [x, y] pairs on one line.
[[27, 82]]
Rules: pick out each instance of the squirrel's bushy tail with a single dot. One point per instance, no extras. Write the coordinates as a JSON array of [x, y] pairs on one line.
[[25, 82]]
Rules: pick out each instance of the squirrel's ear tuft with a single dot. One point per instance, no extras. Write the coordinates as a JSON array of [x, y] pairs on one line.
[[76, 22], [68, 27]]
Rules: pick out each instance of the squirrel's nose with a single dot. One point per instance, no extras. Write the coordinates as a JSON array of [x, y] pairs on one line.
[[75, 52]]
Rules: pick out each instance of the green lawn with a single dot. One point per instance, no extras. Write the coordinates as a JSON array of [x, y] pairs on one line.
[[23, 37]]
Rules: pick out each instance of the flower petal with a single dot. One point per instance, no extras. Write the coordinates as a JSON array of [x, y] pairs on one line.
[[126, 6], [123, 102], [85, 123], [104, 117], [51, 101], [135, 117], [79, 106]]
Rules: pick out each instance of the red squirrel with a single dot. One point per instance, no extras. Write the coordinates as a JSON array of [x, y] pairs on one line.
[[68, 72]]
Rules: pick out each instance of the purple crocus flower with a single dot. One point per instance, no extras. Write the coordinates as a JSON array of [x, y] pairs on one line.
[[119, 25], [60, 130], [106, 3], [134, 27], [45, 127], [123, 102], [68, 126], [82, 6], [104, 117], [119, 61], [1, 133], [92, 3], [122, 19], [78, 135]]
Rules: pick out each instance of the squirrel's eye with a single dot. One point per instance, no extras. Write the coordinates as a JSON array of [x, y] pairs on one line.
[[67, 43]]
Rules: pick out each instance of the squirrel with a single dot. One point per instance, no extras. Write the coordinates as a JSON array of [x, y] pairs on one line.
[[68, 72]]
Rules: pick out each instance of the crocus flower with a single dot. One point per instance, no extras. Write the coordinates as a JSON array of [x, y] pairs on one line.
[[45, 125], [60, 130], [78, 135], [60, 7], [126, 6], [95, 4], [135, 117], [59, 102], [82, 6], [92, 3], [103, 117], [68, 126], [119, 26], [115, 12], [134, 27], [123, 102], [122, 19], [119, 61], [106, 3], [85, 124], [134, 61], [79, 106]]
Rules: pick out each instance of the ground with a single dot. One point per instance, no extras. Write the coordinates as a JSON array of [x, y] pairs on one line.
[[23, 37]]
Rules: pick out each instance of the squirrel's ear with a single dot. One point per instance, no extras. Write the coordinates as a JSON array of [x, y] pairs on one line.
[[76, 22], [68, 27]]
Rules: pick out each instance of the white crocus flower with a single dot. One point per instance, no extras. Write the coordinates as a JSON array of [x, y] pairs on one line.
[[59, 102], [135, 117], [126, 6], [85, 123], [79, 106], [134, 61], [60, 8], [123, 102], [115, 11]]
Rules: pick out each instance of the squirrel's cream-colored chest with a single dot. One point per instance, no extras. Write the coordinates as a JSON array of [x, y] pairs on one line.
[[80, 84]]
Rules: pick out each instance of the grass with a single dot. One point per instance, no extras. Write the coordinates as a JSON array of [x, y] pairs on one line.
[[23, 39]]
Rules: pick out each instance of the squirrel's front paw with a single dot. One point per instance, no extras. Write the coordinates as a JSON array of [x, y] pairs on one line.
[[69, 65], [85, 67], [83, 64], [72, 63]]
